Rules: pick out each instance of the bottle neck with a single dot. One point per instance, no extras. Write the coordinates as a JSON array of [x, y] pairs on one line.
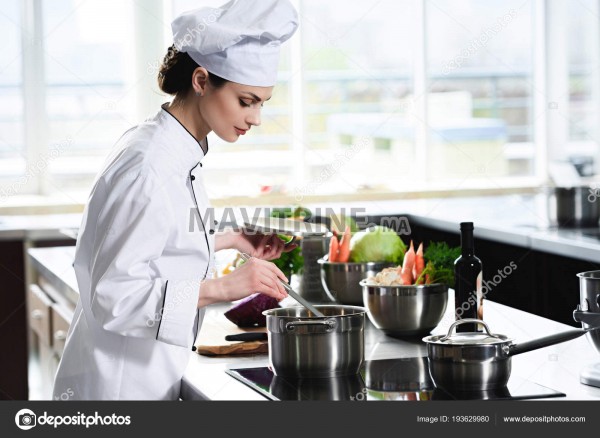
[[467, 243]]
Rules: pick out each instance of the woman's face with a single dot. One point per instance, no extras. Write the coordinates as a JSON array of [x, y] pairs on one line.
[[231, 110]]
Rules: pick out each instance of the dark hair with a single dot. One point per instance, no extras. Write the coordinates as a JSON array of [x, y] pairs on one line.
[[175, 73]]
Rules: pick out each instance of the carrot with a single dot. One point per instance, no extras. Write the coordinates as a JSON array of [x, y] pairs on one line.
[[407, 266], [419, 263], [344, 253], [333, 249]]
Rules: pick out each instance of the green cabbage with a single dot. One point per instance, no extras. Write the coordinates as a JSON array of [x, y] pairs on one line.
[[377, 244]]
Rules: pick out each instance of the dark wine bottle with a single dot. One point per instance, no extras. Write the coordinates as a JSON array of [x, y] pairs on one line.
[[468, 281]]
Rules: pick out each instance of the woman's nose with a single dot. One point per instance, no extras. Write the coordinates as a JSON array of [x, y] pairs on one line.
[[254, 118]]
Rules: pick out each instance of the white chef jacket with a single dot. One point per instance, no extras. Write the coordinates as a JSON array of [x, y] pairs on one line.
[[142, 252]]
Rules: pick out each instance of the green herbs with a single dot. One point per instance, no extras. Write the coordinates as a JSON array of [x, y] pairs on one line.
[[290, 262], [440, 263]]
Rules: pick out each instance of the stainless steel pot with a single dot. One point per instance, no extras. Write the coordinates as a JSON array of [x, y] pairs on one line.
[[474, 361], [574, 207], [588, 312], [302, 345], [404, 311]]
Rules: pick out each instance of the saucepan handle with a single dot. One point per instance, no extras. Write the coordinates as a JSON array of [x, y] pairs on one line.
[[292, 325], [546, 341], [590, 318]]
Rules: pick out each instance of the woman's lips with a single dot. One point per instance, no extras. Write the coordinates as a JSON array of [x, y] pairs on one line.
[[240, 131]]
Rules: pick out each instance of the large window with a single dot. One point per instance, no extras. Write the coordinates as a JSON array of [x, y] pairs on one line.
[[583, 54], [372, 96], [12, 150], [357, 86], [480, 72], [89, 91]]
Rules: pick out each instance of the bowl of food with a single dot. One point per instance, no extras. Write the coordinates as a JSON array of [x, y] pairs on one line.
[[411, 299], [356, 257]]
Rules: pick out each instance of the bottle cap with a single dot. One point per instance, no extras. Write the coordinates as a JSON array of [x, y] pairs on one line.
[[466, 225]]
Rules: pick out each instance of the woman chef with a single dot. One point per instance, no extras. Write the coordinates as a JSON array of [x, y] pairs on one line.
[[142, 264]]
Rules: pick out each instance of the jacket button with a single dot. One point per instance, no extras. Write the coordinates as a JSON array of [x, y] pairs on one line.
[[192, 177], [211, 231]]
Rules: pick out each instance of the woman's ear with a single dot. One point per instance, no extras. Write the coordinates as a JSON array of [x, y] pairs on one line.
[[199, 80]]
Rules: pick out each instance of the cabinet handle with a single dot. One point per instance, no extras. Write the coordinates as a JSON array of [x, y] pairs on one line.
[[60, 335], [37, 314]]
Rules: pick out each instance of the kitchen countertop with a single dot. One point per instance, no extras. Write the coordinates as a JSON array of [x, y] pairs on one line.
[[38, 227], [56, 265], [556, 367]]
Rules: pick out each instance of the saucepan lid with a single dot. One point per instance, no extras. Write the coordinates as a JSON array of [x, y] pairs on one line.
[[467, 338]]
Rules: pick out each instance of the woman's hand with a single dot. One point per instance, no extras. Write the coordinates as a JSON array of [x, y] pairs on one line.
[[262, 246], [253, 276]]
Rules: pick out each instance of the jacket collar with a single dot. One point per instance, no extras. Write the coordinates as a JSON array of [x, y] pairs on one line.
[[189, 150]]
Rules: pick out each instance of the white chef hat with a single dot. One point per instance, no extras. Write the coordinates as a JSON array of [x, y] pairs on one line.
[[238, 41]]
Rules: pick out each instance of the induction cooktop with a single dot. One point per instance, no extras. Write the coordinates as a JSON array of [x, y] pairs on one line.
[[388, 379]]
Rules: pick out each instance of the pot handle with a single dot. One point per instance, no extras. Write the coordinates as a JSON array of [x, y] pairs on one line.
[[546, 341], [586, 317], [291, 326], [467, 321]]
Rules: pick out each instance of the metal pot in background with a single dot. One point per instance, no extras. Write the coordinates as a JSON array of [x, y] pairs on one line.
[[313, 248], [574, 207], [341, 281], [588, 314], [302, 345], [475, 361]]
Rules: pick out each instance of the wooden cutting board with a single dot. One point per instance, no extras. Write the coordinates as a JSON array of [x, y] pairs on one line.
[[211, 338]]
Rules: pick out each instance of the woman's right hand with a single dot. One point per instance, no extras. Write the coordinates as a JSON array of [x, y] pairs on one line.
[[253, 276]]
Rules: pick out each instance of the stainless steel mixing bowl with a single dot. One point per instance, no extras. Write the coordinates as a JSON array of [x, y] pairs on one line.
[[405, 310], [341, 280]]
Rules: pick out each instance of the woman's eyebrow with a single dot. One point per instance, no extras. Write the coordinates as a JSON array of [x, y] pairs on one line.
[[254, 96]]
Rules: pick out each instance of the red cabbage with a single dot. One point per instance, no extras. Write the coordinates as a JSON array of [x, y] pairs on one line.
[[248, 312]]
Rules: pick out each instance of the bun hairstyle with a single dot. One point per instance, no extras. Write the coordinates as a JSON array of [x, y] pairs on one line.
[[175, 73]]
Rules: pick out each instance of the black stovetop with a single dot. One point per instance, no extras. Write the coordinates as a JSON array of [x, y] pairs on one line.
[[388, 379]]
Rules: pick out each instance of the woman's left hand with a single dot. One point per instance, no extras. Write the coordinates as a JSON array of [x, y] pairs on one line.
[[262, 246]]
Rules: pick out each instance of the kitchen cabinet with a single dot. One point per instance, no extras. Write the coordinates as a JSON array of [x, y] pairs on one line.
[[50, 312], [39, 311], [13, 335], [17, 235], [28, 313]]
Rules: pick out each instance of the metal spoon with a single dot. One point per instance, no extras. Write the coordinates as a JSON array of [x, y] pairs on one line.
[[292, 293]]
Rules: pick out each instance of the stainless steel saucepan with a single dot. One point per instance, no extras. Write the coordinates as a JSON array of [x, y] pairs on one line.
[[302, 345], [474, 361]]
